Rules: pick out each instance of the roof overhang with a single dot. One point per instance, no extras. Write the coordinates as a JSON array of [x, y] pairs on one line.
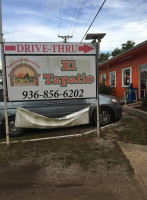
[[139, 49]]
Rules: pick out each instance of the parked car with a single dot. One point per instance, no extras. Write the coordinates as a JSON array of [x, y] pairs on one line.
[[110, 110]]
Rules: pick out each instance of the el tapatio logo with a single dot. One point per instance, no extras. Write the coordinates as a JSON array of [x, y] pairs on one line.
[[24, 74]]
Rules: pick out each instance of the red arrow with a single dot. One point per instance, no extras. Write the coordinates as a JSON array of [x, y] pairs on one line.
[[10, 48], [85, 48]]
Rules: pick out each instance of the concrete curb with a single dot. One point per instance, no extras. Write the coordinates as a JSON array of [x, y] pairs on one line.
[[65, 136], [135, 111]]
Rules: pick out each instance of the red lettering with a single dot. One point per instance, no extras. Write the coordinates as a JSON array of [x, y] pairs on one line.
[[64, 81], [73, 65], [81, 79], [68, 65], [84, 78], [74, 48], [48, 78], [54, 47], [68, 48], [90, 79], [32, 47], [57, 80], [65, 64], [27, 48], [38, 48], [72, 80], [60, 48], [45, 48], [20, 48]]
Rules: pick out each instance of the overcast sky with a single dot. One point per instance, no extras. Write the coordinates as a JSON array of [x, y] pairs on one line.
[[44, 20]]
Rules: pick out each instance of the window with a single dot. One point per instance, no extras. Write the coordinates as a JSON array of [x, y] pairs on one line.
[[126, 76], [103, 78], [143, 81], [113, 79]]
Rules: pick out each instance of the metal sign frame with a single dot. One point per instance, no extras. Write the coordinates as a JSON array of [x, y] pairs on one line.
[[76, 60]]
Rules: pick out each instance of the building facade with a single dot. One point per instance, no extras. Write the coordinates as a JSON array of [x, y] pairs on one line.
[[128, 67]]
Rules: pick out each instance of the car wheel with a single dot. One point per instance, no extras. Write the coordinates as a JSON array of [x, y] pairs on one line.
[[106, 116], [13, 131]]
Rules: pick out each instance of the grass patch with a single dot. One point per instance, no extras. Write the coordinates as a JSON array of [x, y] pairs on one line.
[[134, 131]]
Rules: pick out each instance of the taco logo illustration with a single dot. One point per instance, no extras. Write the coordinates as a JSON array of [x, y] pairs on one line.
[[24, 75]]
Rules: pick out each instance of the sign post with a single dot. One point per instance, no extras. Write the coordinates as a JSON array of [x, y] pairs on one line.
[[97, 36], [4, 77]]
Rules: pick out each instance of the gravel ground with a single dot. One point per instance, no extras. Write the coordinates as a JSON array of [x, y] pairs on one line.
[[85, 168], [37, 178]]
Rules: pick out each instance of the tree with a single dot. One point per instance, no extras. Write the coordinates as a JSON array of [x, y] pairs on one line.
[[129, 44], [104, 57], [116, 52], [125, 46]]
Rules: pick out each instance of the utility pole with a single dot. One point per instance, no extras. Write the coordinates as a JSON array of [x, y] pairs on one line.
[[4, 77], [65, 37]]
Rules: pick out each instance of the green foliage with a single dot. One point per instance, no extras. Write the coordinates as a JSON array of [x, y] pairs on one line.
[[104, 57], [116, 52], [129, 44], [144, 102], [108, 90], [125, 46]]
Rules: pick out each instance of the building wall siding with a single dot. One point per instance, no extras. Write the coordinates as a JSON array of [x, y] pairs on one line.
[[133, 62]]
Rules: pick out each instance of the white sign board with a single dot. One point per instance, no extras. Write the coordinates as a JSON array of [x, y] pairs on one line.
[[50, 48], [48, 75]]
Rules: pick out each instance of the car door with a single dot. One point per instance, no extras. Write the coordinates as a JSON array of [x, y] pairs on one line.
[[46, 108], [68, 106]]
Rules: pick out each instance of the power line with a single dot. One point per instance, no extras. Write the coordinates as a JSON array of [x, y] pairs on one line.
[[74, 15], [60, 16], [93, 19], [89, 19], [78, 16], [83, 8]]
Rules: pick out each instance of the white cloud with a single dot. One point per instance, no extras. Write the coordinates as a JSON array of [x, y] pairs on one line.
[[136, 31], [32, 34]]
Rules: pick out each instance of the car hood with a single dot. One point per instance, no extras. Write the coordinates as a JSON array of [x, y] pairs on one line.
[[107, 96]]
